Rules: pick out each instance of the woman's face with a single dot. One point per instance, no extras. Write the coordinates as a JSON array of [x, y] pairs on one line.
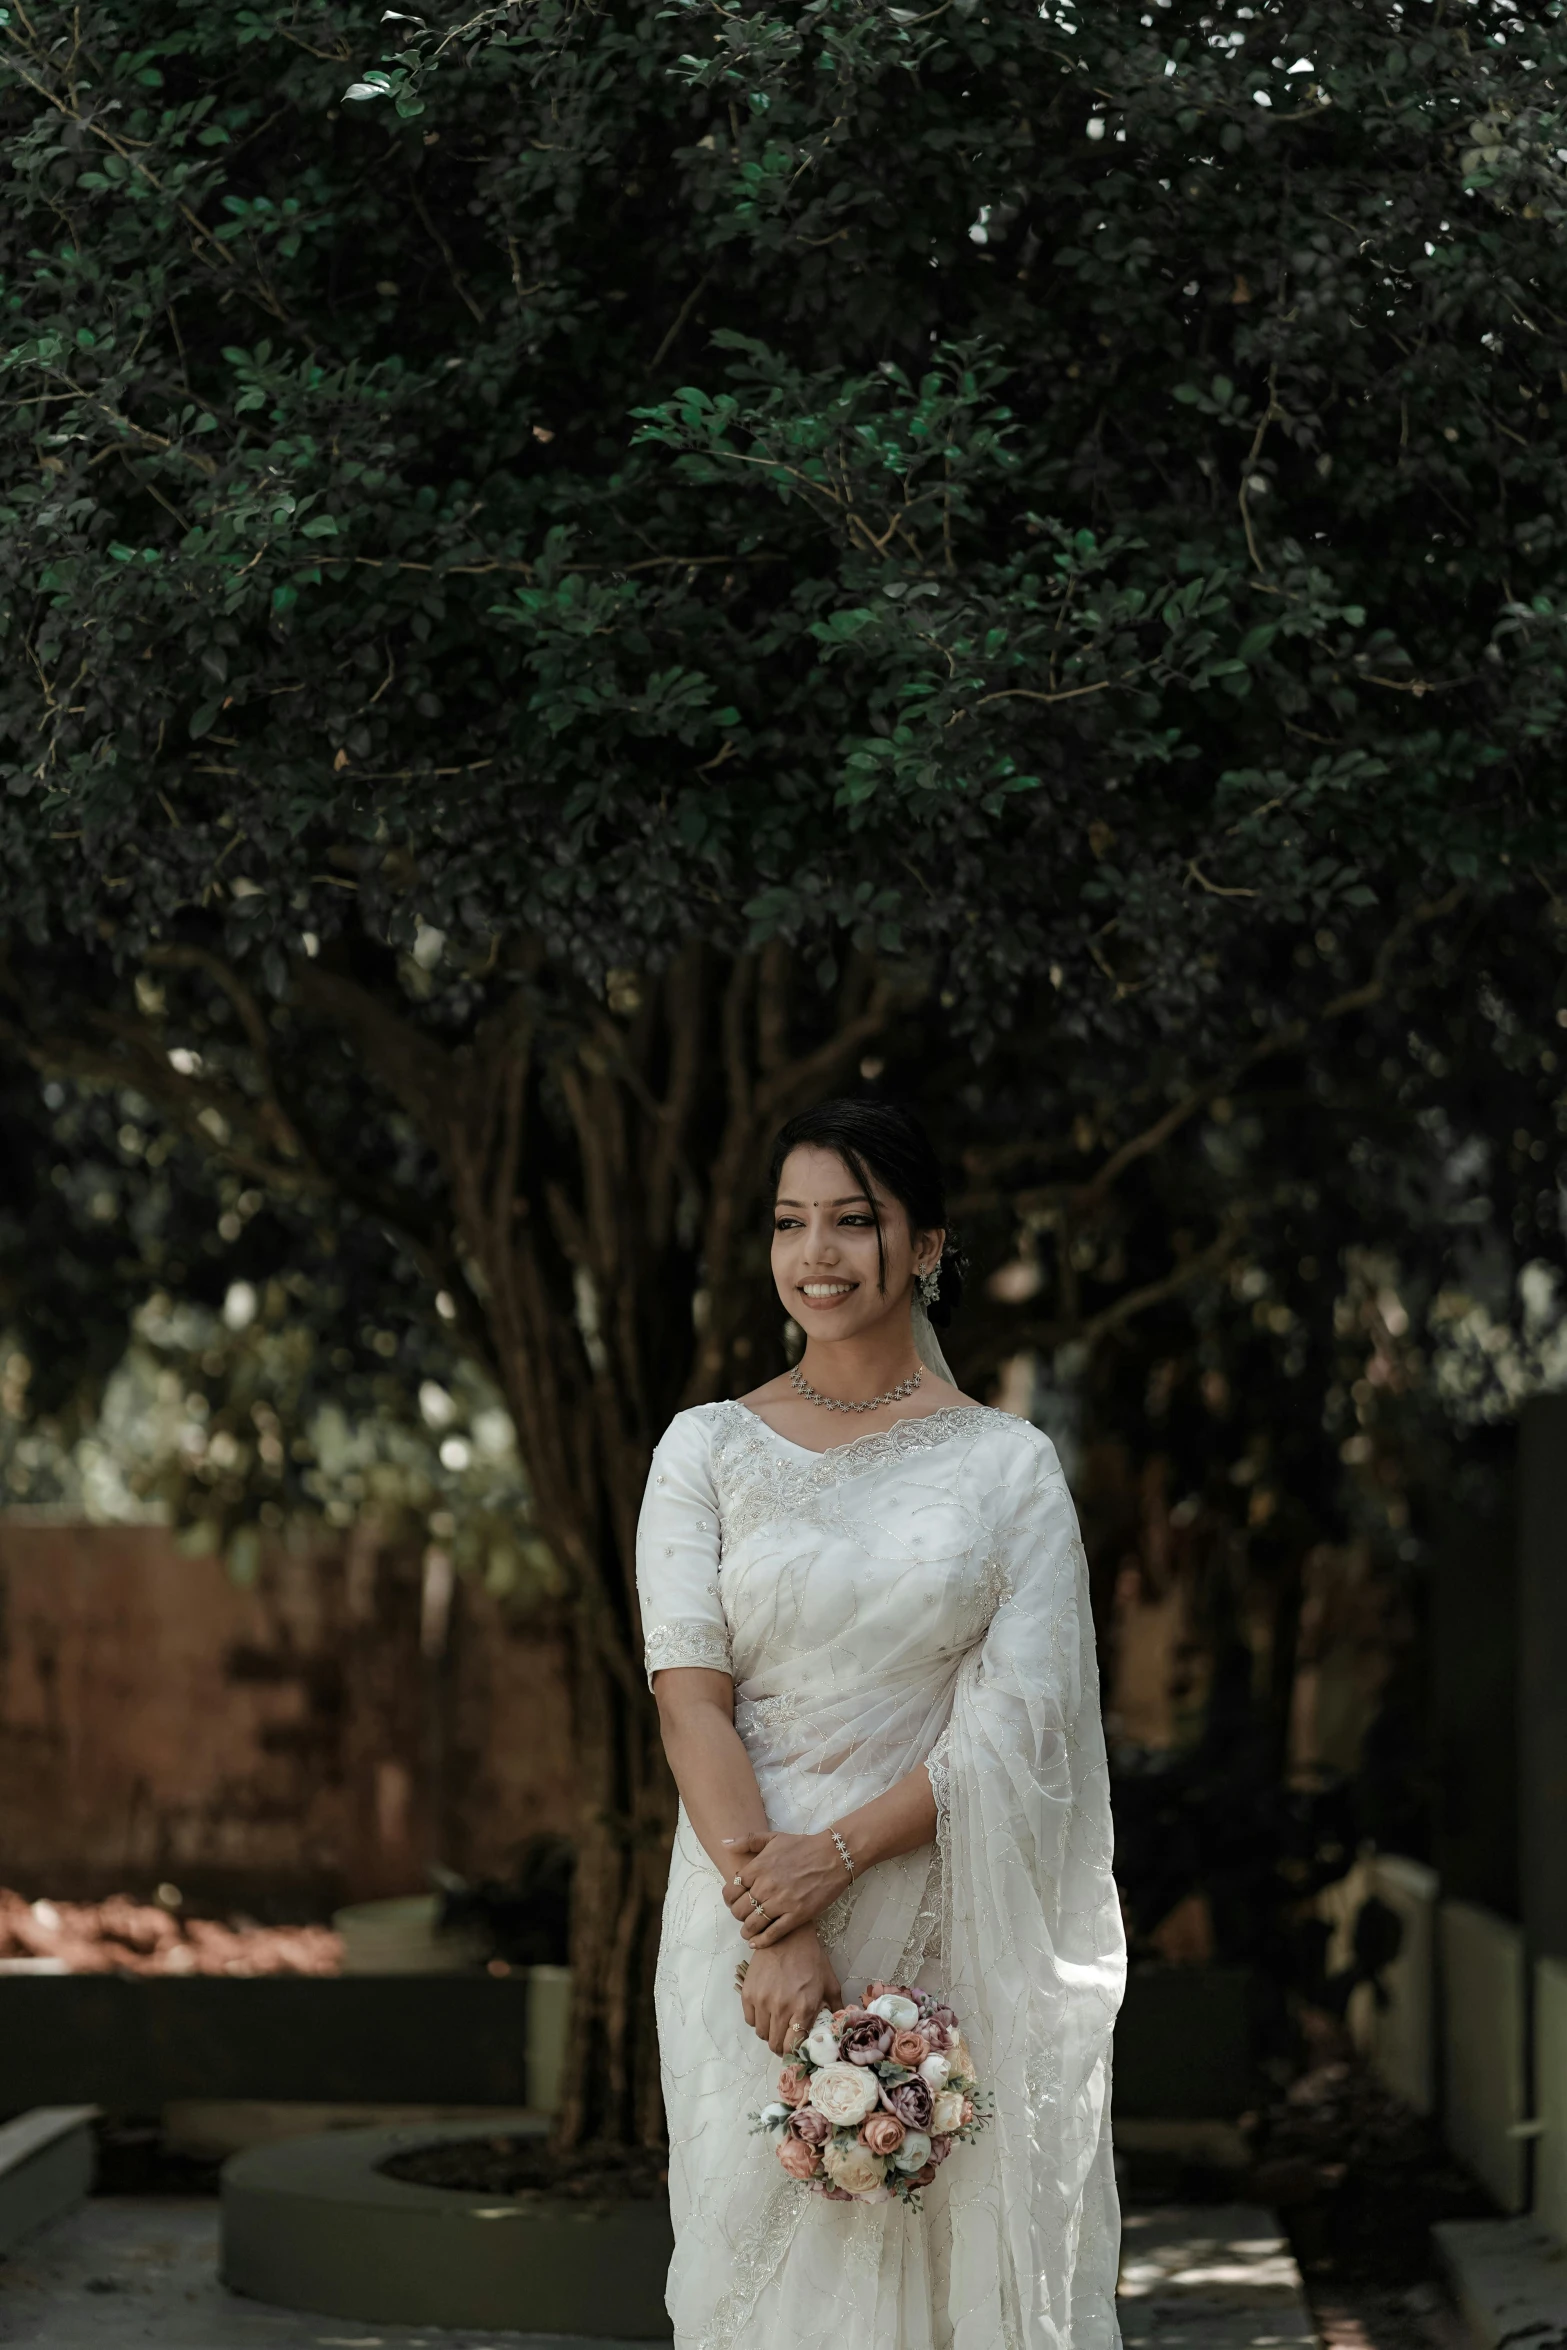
[[825, 1259]]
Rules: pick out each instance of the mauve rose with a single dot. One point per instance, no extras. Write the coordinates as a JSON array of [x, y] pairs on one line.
[[936, 2033], [922, 2178], [911, 2101], [842, 2017], [910, 2048], [882, 2133], [866, 2042], [793, 2085], [810, 2126], [940, 2148], [799, 2160]]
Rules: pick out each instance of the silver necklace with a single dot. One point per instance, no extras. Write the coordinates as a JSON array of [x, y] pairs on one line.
[[829, 1403]]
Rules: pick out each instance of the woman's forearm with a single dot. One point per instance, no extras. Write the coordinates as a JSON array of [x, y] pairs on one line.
[[900, 1821], [785, 1882], [713, 1773]]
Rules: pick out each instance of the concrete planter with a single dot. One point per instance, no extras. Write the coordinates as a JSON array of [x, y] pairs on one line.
[[1484, 2004], [46, 2167], [134, 2043], [1550, 2097], [315, 2224], [1185, 2044]]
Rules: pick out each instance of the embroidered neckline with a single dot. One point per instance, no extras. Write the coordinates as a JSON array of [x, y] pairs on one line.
[[892, 1438]]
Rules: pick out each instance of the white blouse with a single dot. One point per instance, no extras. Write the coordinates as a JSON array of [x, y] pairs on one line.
[[918, 1595]]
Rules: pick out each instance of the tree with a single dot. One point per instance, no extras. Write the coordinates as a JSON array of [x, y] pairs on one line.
[[560, 611]]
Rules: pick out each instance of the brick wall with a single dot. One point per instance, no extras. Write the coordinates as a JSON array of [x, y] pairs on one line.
[[278, 1748]]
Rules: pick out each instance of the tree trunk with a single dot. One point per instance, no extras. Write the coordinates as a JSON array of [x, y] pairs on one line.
[[606, 1172]]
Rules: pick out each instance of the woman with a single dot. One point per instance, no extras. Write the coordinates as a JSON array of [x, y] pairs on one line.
[[866, 1622]]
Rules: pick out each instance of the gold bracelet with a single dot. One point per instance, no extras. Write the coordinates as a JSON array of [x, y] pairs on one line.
[[843, 1850]]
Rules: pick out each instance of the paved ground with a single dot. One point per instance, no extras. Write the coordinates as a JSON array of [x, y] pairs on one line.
[[1215, 2277], [131, 2269]]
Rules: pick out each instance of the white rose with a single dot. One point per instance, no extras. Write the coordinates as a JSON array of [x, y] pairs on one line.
[[914, 2153], [935, 2070], [821, 2044], [772, 2115], [948, 2114], [845, 2093], [854, 2168], [900, 2013]]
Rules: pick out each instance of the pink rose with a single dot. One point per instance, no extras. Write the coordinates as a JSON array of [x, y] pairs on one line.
[[842, 2017], [866, 2042], [922, 2178], [968, 2113], [940, 2148], [910, 2048], [911, 2101], [882, 2133], [813, 2128], [794, 2086], [799, 2160], [876, 1991]]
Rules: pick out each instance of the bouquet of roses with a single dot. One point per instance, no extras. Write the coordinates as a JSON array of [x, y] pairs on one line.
[[872, 2102]]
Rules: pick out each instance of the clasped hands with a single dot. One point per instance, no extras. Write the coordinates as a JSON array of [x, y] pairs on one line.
[[784, 1986], [778, 1883]]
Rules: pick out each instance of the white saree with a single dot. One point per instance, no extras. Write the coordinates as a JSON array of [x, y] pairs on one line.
[[917, 1595]]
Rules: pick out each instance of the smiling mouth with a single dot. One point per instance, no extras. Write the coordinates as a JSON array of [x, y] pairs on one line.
[[827, 1293]]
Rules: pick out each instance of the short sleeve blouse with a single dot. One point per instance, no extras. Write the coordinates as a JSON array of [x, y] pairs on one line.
[[677, 1554]]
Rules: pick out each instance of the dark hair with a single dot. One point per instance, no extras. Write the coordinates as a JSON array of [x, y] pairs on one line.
[[883, 1139]]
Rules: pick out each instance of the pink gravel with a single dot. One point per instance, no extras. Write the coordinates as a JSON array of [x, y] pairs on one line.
[[125, 1937]]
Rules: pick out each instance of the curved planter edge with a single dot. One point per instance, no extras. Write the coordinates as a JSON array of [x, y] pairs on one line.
[[312, 2223]]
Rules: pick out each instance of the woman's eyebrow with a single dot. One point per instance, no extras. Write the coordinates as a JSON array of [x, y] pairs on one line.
[[847, 1201]]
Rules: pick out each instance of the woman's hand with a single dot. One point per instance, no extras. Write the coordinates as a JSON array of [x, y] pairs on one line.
[[786, 1987], [790, 1878]]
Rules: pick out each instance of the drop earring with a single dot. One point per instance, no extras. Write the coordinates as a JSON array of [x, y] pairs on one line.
[[930, 1285]]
